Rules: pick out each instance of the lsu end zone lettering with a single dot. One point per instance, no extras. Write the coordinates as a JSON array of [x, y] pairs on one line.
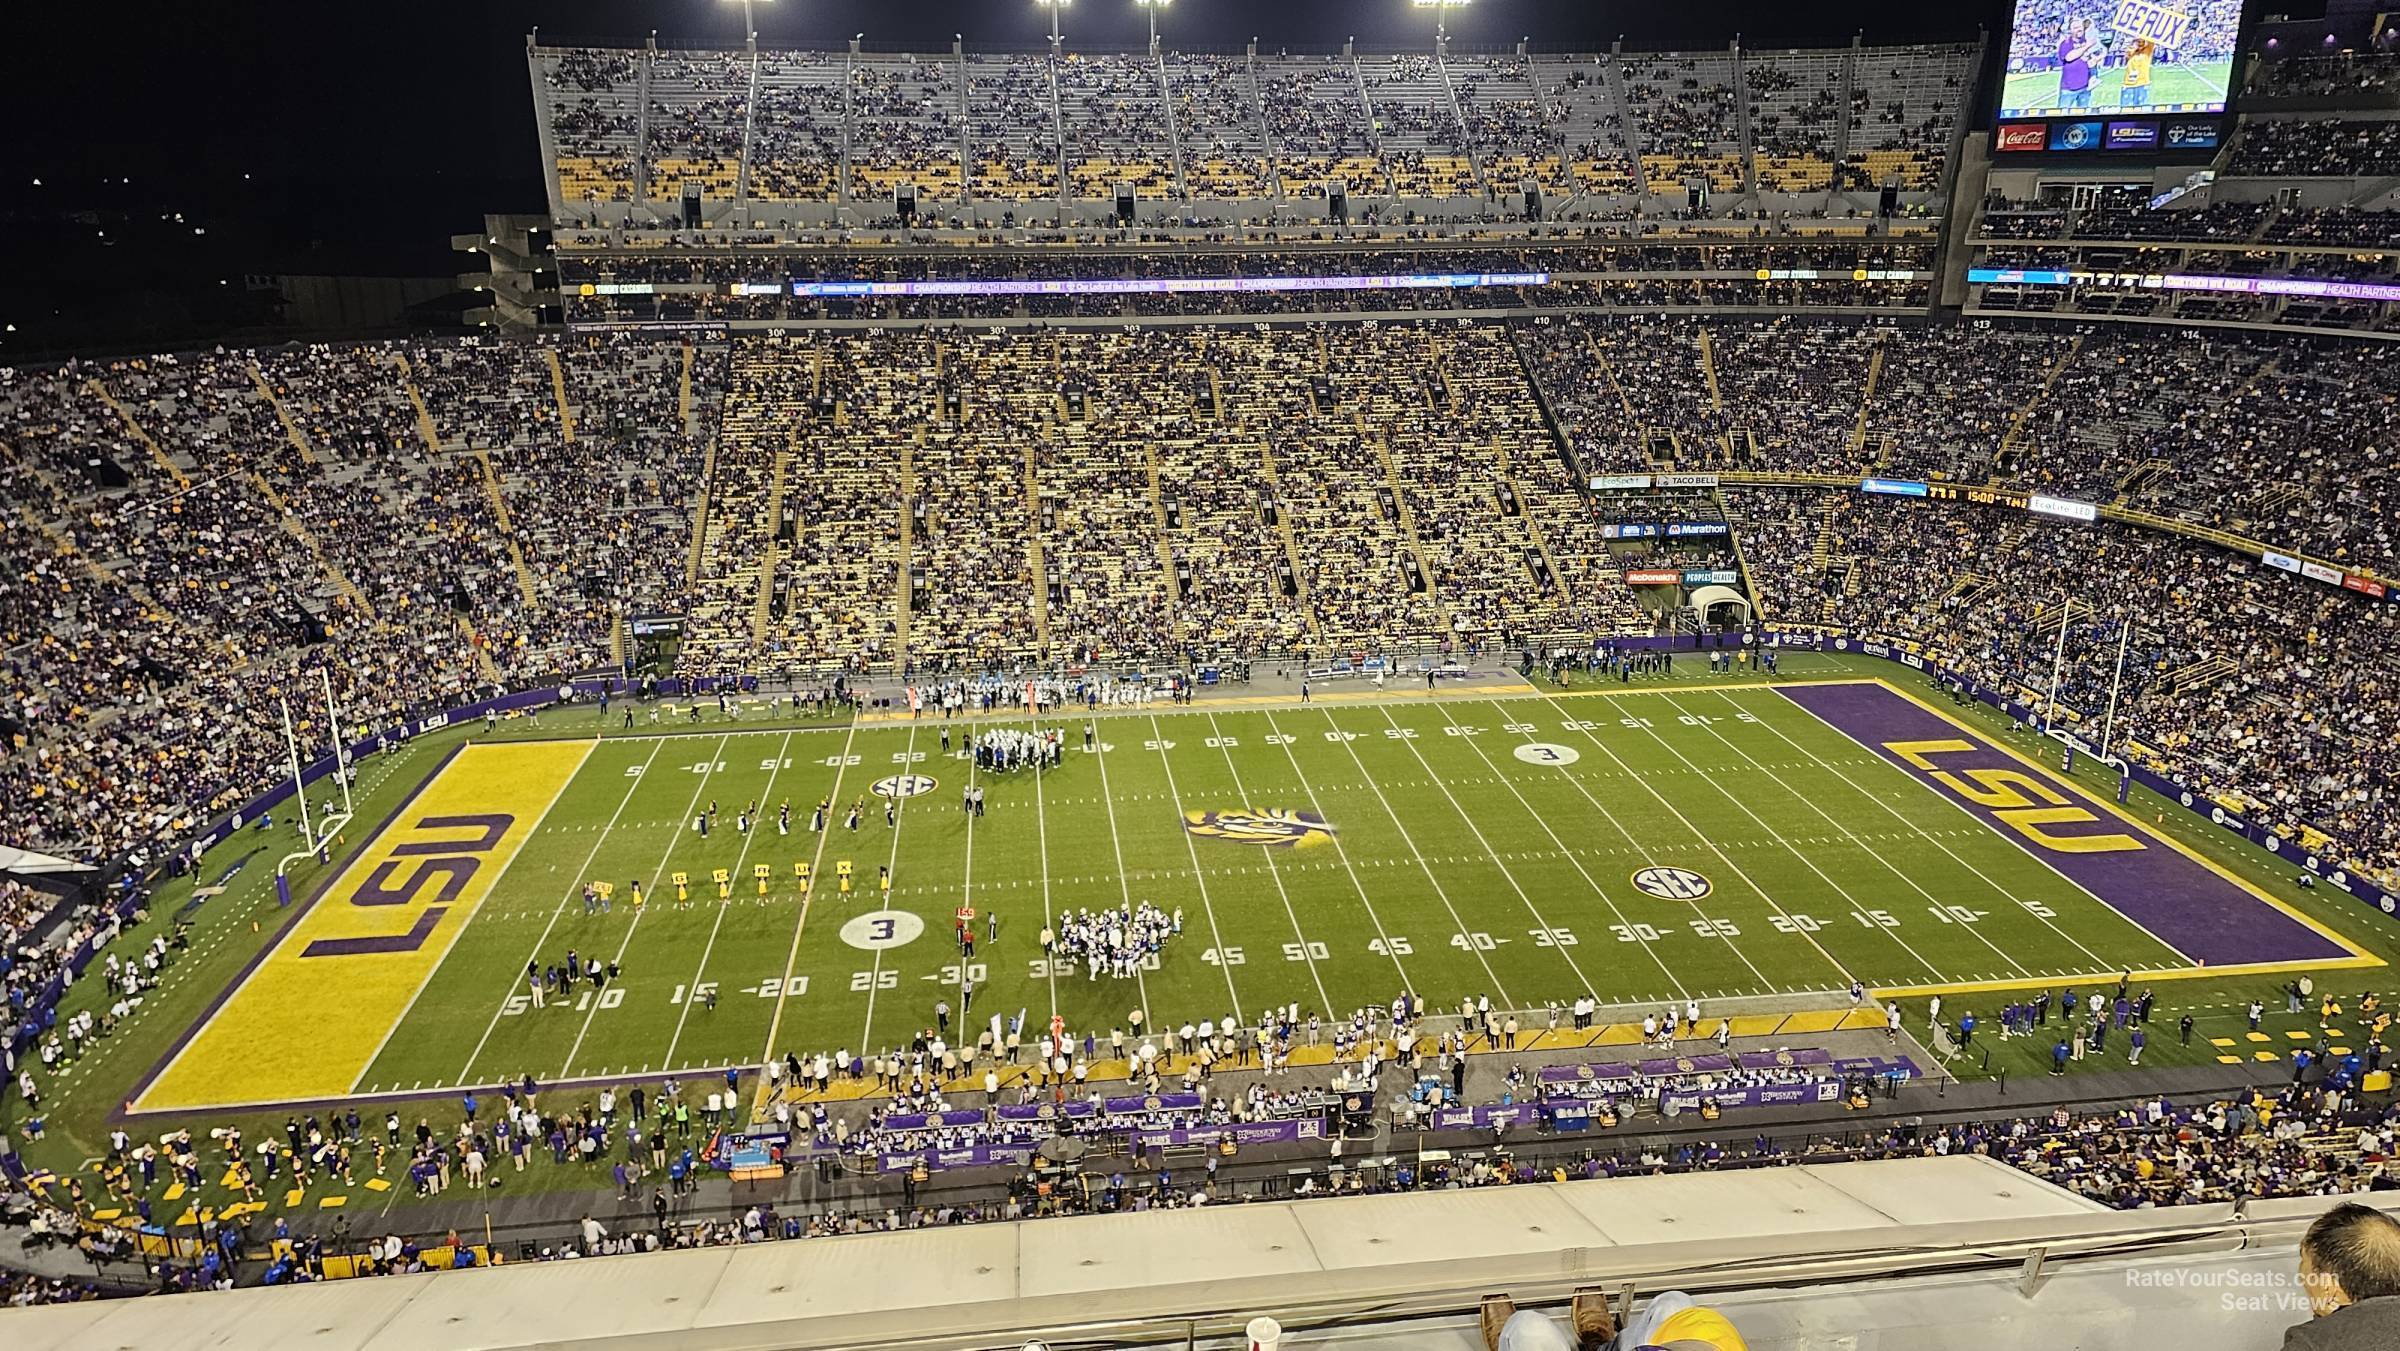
[[317, 1007], [2203, 913]]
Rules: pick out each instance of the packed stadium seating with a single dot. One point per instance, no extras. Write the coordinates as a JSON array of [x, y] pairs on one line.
[[457, 516], [766, 136], [2223, 650], [928, 486], [2341, 74]]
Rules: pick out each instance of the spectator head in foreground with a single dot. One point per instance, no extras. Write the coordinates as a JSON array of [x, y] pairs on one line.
[[1671, 1322], [2350, 1267]]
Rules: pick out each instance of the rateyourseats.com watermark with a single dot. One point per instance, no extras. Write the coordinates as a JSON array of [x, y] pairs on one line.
[[2234, 1291]]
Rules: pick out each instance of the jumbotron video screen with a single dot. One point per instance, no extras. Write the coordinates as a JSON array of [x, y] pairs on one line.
[[2158, 56]]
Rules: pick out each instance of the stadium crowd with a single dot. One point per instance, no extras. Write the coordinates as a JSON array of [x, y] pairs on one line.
[[1016, 130], [2314, 1138], [448, 530]]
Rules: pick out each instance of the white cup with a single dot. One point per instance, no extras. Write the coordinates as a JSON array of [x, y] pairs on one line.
[[1265, 1333]]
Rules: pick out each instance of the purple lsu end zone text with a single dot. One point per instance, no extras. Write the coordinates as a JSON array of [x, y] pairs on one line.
[[2189, 907]]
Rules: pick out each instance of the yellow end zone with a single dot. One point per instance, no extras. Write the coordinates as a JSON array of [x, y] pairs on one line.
[[316, 1008]]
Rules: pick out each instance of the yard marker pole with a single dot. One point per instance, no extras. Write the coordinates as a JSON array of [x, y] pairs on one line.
[[291, 747], [2058, 663], [2108, 725]]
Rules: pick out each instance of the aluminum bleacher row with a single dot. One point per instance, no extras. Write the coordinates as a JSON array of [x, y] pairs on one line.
[[787, 136]]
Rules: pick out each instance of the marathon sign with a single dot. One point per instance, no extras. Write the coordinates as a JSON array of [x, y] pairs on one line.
[[1668, 530]]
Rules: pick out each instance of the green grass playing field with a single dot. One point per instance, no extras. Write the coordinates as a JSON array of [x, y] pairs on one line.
[[1480, 847], [1442, 836], [2035, 92]]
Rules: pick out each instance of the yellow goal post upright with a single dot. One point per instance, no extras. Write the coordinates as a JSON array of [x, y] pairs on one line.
[[319, 833]]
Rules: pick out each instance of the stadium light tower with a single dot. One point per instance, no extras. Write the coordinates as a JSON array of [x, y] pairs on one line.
[[1054, 6], [749, 18], [1151, 8], [1441, 16]]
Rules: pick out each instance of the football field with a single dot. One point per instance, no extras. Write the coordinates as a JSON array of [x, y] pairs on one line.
[[2034, 93], [1643, 846]]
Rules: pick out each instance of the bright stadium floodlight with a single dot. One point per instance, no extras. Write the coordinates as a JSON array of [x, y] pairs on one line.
[[1151, 8], [749, 20], [1441, 11], [1054, 6]]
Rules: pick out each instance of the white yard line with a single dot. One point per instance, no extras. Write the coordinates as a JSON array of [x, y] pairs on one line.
[[1343, 853], [866, 1035], [1830, 819], [1108, 801], [659, 882], [1325, 1001], [1857, 906], [1766, 986], [1367, 778], [791, 957], [1198, 876], [1579, 724], [1983, 827], [1539, 819], [1041, 829], [1506, 873], [757, 827], [488, 893], [574, 886]]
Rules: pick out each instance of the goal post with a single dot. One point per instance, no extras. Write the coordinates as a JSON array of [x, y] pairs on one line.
[[315, 833]]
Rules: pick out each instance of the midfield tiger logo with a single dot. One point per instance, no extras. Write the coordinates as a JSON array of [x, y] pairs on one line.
[[1279, 828]]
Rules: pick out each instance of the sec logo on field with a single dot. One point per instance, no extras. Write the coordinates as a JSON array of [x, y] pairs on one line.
[[1672, 884], [905, 785]]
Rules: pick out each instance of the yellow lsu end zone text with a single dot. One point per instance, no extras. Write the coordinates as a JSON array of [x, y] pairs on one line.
[[329, 994]]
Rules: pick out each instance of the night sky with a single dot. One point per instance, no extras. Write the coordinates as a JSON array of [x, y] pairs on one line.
[[356, 138]]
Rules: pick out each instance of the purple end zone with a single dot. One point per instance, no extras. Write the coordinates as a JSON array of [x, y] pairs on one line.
[[2190, 907]]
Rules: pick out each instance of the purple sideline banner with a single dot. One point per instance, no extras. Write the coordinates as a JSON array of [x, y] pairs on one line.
[[917, 1121], [2328, 870], [1240, 1132], [970, 1156], [1710, 1063], [1756, 1095], [977, 1156], [1155, 1102], [1490, 1115], [1045, 1111], [1611, 1071]]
